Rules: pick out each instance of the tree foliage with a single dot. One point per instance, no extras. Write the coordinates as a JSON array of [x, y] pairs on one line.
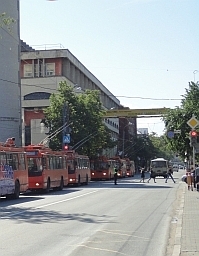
[[177, 118], [86, 113], [146, 147]]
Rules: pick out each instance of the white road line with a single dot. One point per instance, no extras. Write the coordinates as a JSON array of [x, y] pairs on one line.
[[65, 200]]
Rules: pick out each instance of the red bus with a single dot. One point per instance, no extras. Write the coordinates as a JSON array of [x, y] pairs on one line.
[[102, 168], [121, 165], [78, 168], [13, 172], [47, 169], [130, 168]]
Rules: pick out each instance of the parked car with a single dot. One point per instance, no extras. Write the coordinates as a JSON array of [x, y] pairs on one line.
[[184, 178]]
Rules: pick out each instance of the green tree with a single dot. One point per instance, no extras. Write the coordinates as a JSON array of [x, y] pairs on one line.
[[85, 117], [144, 148], [177, 118]]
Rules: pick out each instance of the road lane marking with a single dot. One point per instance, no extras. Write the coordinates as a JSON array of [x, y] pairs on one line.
[[65, 200], [99, 249]]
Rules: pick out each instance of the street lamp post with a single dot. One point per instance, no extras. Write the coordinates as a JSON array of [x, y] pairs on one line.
[[123, 138]]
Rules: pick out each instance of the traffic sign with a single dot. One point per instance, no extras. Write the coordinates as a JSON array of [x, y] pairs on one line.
[[193, 122], [177, 131], [66, 138], [170, 134]]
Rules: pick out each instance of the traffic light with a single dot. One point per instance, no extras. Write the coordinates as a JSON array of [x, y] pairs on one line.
[[65, 146], [193, 137]]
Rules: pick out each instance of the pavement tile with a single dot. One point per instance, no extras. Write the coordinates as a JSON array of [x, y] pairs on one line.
[[190, 224]]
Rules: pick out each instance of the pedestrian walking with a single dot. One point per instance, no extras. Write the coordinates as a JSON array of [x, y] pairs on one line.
[[142, 175], [169, 174], [189, 180], [115, 175], [152, 176]]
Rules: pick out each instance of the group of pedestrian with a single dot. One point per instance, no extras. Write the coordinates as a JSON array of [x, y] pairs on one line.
[[152, 175], [142, 172]]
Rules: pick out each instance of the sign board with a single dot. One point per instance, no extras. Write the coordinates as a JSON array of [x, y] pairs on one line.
[[196, 147], [135, 112], [66, 138], [193, 122], [177, 131], [170, 134]]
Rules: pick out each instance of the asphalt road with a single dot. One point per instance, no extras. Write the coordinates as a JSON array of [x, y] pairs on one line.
[[131, 218]]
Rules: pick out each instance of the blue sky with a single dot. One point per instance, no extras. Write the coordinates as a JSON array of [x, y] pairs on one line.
[[136, 48]]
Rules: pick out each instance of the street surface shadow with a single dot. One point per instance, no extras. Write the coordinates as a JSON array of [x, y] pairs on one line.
[[38, 216], [134, 182]]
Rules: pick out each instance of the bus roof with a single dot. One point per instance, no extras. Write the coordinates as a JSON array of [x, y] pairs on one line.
[[159, 159]]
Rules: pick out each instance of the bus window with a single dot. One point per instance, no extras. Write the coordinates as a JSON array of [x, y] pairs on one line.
[[33, 165], [43, 162], [12, 160], [22, 163]]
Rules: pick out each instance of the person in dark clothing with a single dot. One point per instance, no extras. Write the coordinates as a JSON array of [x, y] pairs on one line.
[[142, 175], [169, 174], [152, 176], [115, 175]]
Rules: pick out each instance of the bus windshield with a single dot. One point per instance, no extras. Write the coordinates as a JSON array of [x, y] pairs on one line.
[[34, 165], [100, 165], [158, 164]]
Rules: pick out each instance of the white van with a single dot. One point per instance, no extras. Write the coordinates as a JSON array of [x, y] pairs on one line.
[[159, 167], [175, 168]]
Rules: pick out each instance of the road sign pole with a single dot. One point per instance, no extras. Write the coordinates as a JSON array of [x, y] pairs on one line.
[[194, 160], [65, 119]]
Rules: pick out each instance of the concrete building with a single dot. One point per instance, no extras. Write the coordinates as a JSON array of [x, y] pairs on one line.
[[10, 85], [41, 73]]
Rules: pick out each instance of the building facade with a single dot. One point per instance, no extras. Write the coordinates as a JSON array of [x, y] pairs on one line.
[[10, 85], [41, 73]]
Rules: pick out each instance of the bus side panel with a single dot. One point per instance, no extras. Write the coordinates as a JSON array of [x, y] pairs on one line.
[[22, 177]]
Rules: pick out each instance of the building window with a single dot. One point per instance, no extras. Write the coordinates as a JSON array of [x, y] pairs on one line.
[[50, 69], [39, 68], [37, 96], [28, 70]]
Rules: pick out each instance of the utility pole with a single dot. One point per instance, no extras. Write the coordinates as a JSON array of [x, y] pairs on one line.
[[123, 136]]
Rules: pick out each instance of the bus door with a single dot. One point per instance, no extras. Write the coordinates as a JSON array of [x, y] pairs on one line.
[[35, 175], [72, 179]]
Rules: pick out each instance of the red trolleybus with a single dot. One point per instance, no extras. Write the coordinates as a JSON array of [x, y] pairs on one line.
[[13, 171], [47, 169], [102, 168], [78, 168], [121, 165], [130, 168]]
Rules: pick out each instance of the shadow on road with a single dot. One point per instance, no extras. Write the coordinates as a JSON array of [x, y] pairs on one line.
[[38, 216], [134, 182]]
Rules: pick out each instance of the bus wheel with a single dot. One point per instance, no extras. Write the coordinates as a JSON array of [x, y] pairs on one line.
[[86, 179], [48, 186], [16, 193], [61, 184]]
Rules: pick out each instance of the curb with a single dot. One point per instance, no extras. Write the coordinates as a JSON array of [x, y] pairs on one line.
[[178, 233]]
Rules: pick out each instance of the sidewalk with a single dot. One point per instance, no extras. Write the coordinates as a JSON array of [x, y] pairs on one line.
[[187, 230]]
